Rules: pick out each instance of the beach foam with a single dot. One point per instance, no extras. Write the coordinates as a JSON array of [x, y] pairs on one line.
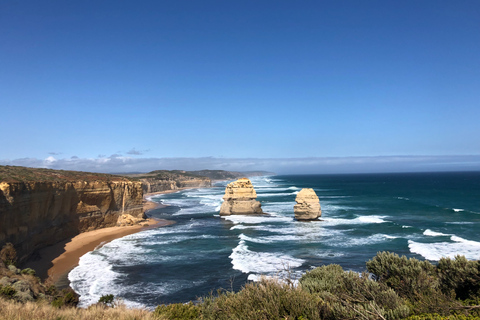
[[435, 251], [431, 233], [248, 261]]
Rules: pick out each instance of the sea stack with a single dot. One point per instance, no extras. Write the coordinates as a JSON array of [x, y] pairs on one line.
[[308, 205], [240, 198]]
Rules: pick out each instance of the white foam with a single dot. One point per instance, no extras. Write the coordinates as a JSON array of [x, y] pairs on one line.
[[280, 194], [277, 238], [352, 242], [251, 219], [458, 210], [91, 278], [248, 261], [358, 220], [431, 233], [435, 251]]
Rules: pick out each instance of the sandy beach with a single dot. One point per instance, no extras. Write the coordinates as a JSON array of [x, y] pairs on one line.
[[56, 261], [88, 241]]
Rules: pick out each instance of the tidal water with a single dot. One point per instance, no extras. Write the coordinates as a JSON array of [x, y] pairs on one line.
[[421, 215]]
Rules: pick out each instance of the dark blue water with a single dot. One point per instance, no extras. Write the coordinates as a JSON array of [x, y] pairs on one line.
[[422, 215]]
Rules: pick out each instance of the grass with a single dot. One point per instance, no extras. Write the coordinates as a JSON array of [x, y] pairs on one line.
[[21, 174], [10, 310]]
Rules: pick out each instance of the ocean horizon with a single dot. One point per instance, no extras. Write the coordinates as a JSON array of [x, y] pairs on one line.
[[421, 215]]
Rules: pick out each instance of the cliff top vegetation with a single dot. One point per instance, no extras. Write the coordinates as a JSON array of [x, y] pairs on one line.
[[211, 174], [19, 174], [166, 175]]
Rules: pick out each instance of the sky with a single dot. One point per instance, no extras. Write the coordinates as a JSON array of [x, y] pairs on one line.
[[293, 87]]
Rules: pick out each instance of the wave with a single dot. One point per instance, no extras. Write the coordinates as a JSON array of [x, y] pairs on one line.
[[355, 242], [359, 220], [458, 210], [280, 194], [435, 251], [251, 219], [248, 261], [431, 233]]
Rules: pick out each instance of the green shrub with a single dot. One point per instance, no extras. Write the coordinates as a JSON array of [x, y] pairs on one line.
[[8, 254], [7, 291], [351, 295], [436, 316], [29, 272], [267, 299], [67, 297], [107, 300], [70, 297], [178, 311], [417, 281], [460, 276], [57, 302], [406, 276]]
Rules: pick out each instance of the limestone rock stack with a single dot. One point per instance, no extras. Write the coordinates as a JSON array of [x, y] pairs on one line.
[[308, 205], [240, 198]]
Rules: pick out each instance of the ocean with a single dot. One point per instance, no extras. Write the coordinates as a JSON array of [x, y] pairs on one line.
[[420, 215]]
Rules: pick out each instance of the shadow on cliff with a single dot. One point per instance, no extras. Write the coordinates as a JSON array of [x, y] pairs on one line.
[[62, 225]]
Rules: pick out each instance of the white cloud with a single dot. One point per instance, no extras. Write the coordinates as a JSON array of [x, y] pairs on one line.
[[117, 164]]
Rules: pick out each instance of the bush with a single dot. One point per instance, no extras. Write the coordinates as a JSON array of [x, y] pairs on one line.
[[8, 254], [7, 291], [460, 276], [66, 298], [352, 295], [417, 281], [267, 299], [29, 271], [178, 311], [107, 300]]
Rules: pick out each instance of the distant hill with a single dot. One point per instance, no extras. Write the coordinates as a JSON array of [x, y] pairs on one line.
[[229, 175], [19, 174]]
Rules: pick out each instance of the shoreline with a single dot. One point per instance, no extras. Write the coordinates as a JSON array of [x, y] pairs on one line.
[[54, 263], [89, 241]]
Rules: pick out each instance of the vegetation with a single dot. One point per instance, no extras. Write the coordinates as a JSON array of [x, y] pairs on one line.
[[107, 300], [393, 288], [21, 174], [8, 254], [23, 286]]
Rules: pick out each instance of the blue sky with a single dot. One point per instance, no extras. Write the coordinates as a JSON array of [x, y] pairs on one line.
[[139, 81]]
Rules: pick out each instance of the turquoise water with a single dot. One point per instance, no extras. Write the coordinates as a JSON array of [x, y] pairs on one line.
[[422, 215]]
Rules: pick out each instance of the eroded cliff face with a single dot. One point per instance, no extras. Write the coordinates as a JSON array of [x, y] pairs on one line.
[[151, 185], [37, 214]]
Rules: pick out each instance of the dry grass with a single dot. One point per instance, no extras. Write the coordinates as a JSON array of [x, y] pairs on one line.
[[10, 310]]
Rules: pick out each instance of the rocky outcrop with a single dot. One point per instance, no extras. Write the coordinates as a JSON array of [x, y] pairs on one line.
[[35, 214], [308, 205], [240, 198]]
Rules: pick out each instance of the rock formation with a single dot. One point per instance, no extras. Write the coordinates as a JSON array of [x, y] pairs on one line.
[[308, 205], [163, 180], [36, 214], [240, 198]]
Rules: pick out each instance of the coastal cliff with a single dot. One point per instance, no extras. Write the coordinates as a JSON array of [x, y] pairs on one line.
[[165, 180], [41, 207]]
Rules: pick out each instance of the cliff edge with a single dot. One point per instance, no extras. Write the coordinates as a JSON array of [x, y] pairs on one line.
[[40, 207]]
